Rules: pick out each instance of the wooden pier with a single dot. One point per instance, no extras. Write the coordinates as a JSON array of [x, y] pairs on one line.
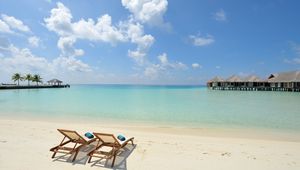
[[257, 89], [6, 87], [286, 81]]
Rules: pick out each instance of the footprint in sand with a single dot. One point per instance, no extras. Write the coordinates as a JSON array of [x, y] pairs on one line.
[[251, 157], [226, 154], [3, 141]]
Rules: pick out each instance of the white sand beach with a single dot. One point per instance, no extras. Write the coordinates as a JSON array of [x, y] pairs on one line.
[[25, 145]]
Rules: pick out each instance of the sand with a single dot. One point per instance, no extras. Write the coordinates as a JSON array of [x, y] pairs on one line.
[[25, 145]]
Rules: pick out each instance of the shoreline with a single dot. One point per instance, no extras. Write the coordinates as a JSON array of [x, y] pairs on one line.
[[171, 128], [28, 142]]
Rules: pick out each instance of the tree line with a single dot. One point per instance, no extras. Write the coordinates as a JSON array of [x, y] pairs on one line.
[[30, 78]]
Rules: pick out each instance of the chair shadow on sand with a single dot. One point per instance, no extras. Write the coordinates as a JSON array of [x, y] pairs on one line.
[[82, 157]]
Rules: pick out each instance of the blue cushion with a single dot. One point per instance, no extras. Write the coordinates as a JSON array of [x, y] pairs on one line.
[[89, 135], [121, 137]]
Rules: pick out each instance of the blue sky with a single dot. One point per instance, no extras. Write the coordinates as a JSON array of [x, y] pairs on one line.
[[148, 41]]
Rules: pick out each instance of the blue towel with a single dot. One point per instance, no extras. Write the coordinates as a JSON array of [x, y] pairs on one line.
[[121, 137], [89, 135]]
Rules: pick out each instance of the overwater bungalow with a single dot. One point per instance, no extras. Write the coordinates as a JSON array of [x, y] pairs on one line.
[[233, 81], [216, 81], [284, 81]]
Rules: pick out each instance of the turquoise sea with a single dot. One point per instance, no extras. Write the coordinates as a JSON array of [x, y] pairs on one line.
[[180, 105]]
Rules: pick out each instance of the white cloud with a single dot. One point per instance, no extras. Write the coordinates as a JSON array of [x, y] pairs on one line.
[[163, 59], [147, 11], [164, 62], [71, 64], [15, 23], [135, 32], [137, 56], [152, 71], [179, 65], [220, 15], [218, 67], [155, 70], [16, 59], [34, 41], [102, 30], [65, 44], [196, 65], [60, 21], [4, 27], [198, 40]]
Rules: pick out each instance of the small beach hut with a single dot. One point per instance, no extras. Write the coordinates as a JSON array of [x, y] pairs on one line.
[[55, 82]]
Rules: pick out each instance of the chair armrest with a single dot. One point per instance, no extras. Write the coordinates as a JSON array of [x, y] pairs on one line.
[[125, 143]]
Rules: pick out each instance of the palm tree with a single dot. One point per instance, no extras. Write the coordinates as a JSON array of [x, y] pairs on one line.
[[28, 77], [36, 78], [17, 77]]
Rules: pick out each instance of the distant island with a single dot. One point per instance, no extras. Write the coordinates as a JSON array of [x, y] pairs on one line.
[[284, 81], [17, 77]]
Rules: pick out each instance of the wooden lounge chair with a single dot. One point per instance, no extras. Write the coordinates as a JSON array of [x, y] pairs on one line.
[[72, 137], [108, 147]]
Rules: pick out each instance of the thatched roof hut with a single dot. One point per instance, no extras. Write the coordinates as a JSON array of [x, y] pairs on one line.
[[234, 78], [292, 76], [285, 81], [216, 79], [252, 78], [55, 82]]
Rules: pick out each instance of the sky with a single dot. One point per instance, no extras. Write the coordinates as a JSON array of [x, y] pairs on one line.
[[148, 41]]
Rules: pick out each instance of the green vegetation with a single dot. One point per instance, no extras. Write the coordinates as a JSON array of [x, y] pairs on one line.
[[17, 77], [28, 77], [35, 78]]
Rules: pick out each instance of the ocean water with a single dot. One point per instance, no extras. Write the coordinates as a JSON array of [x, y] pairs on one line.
[[180, 105]]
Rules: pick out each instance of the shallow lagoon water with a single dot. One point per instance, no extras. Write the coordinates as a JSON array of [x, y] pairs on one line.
[[181, 105]]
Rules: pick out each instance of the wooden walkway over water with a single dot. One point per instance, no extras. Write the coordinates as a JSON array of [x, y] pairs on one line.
[[285, 81], [7, 87], [257, 89]]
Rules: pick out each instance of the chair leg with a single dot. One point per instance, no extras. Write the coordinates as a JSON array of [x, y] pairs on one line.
[[54, 153], [113, 162], [76, 152], [90, 159]]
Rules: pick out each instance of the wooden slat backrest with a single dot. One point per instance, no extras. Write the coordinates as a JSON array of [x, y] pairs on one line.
[[107, 138], [72, 135]]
